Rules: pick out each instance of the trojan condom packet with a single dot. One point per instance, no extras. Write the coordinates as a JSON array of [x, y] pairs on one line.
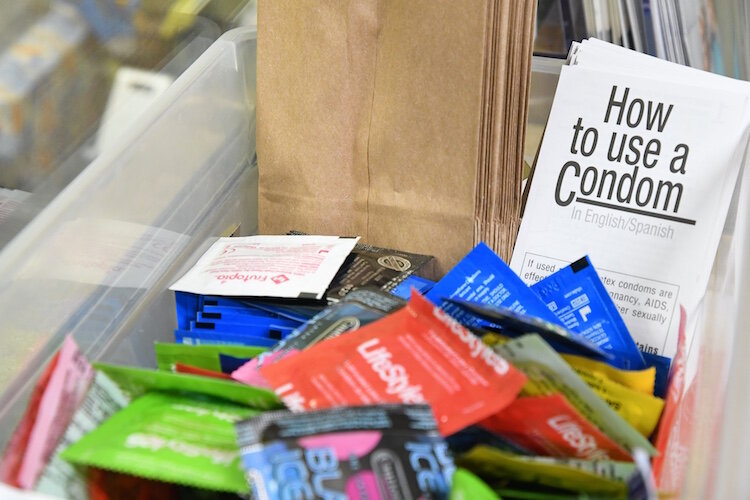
[[359, 452], [576, 295], [373, 266], [359, 308], [482, 277]]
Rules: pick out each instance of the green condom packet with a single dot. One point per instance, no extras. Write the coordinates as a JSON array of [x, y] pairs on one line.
[[200, 356], [467, 486], [137, 381], [167, 437]]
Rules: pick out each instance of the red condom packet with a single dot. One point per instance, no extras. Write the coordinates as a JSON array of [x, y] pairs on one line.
[[195, 370], [550, 425], [673, 435], [14, 452], [416, 355], [56, 397]]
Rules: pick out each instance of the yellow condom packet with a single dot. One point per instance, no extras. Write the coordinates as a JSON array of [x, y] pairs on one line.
[[597, 477], [640, 410], [638, 380], [493, 339]]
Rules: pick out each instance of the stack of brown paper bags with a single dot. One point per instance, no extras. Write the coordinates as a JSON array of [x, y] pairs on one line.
[[399, 121]]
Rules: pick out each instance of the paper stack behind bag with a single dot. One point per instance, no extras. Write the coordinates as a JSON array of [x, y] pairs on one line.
[[402, 122]]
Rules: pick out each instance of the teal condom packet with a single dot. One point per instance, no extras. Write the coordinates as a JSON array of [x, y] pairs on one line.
[[483, 278], [576, 295]]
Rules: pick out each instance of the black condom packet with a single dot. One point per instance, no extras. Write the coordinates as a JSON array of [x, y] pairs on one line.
[[362, 452], [369, 265]]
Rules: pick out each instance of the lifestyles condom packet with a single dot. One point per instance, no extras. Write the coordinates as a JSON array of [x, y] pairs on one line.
[[360, 307], [549, 425], [171, 438], [362, 452], [418, 354], [268, 266], [576, 295], [483, 278]]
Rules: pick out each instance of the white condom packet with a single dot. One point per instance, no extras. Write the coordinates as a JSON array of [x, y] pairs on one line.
[[291, 266]]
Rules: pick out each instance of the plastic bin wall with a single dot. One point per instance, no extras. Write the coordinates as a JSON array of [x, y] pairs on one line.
[[97, 262]]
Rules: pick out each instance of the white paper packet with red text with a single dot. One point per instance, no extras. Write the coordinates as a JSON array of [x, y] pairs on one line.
[[289, 266]]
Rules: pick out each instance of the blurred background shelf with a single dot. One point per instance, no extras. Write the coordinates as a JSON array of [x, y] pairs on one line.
[[76, 73], [713, 35]]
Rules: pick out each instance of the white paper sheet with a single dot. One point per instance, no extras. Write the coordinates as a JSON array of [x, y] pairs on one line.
[[653, 251]]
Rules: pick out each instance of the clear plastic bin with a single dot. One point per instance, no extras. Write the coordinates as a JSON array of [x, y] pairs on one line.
[[97, 262]]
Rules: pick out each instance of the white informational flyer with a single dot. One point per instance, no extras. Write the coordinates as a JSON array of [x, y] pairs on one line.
[[268, 266], [637, 173]]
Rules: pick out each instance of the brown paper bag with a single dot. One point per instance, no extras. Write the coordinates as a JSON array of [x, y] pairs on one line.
[[388, 119]]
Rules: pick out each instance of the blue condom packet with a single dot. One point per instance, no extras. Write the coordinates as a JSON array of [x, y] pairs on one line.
[[422, 285], [483, 278], [209, 337], [662, 364], [514, 324], [230, 363], [576, 295]]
